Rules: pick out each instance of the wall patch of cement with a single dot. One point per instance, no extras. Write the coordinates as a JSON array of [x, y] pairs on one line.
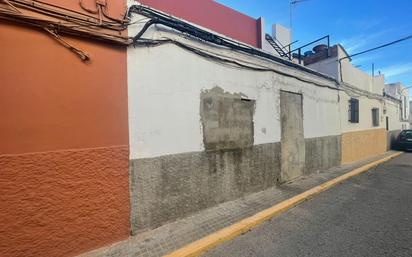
[[292, 142], [167, 188], [227, 119], [322, 153]]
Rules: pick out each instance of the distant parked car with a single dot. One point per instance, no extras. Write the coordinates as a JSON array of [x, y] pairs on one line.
[[405, 140]]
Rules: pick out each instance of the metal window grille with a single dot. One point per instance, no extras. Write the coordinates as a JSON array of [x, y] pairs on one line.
[[375, 117], [353, 112]]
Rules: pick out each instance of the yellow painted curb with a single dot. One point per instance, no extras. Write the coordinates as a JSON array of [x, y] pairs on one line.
[[211, 241]]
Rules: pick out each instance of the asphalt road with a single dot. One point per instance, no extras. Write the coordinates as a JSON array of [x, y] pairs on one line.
[[369, 215]]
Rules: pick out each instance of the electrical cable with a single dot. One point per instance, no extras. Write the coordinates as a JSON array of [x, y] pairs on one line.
[[62, 20], [83, 55], [378, 47], [88, 9], [12, 6], [351, 91], [67, 15], [198, 33], [150, 43], [370, 50], [162, 19]]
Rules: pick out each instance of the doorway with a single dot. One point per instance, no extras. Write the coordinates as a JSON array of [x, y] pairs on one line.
[[292, 137]]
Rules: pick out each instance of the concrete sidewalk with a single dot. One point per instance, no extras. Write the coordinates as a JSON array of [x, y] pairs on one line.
[[170, 237], [369, 215]]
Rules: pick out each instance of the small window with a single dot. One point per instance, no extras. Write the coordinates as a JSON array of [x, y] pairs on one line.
[[375, 117], [353, 110]]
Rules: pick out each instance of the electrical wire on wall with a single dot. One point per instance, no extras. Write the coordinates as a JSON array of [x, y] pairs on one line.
[[206, 36], [57, 20], [351, 91], [102, 11], [73, 22], [83, 55], [222, 60], [202, 35]]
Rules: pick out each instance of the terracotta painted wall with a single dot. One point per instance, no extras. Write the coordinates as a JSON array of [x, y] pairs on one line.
[[363, 144], [63, 145], [63, 203], [214, 16], [115, 8]]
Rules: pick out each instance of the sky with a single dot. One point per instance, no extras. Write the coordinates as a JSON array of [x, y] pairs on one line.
[[356, 24]]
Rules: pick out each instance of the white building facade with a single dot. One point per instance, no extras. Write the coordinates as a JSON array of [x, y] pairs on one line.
[[380, 115], [212, 120], [400, 92]]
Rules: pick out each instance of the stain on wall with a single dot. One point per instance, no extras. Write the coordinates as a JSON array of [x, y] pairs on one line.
[[167, 188], [227, 120], [322, 153], [363, 144], [392, 139], [63, 203]]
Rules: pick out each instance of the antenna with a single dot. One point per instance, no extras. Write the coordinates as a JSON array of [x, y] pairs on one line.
[[293, 3]]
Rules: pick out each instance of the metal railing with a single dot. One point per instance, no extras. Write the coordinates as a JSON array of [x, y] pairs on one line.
[[299, 49]]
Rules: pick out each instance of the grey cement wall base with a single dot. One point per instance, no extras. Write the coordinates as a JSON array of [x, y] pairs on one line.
[[167, 188], [322, 153], [392, 137], [172, 187]]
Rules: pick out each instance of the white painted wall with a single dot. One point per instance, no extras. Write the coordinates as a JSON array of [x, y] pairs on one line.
[[165, 83], [362, 80], [348, 73], [327, 66], [399, 91], [282, 34], [365, 113], [387, 108], [393, 112]]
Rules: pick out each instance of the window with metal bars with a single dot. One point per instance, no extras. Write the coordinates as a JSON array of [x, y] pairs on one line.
[[375, 117], [353, 112]]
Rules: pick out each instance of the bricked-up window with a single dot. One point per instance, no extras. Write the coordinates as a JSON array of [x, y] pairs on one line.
[[353, 112], [375, 117], [227, 120]]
